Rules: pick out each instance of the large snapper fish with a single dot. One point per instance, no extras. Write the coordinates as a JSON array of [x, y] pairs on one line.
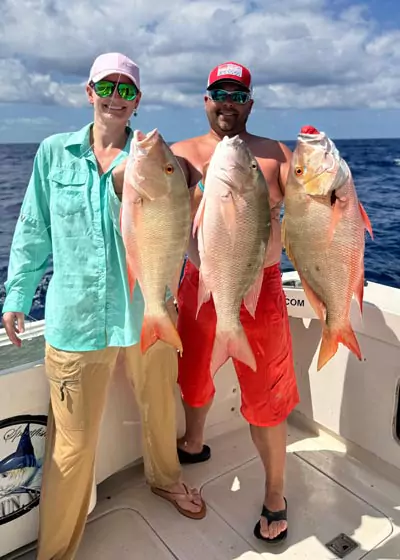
[[155, 225], [233, 223], [324, 236]]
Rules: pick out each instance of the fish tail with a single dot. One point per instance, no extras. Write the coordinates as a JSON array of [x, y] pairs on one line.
[[159, 328], [231, 344], [330, 343]]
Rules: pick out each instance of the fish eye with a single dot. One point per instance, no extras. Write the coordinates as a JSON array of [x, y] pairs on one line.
[[299, 170], [169, 169]]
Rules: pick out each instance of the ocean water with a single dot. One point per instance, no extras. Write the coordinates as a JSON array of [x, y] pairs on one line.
[[375, 165]]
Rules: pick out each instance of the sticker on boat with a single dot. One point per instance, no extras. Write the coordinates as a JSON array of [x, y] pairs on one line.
[[22, 446], [295, 302]]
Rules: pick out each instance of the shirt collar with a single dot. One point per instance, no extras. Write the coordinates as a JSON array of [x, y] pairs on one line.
[[79, 141]]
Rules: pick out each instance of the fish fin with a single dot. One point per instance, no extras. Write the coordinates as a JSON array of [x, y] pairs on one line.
[[359, 289], [285, 242], [337, 214], [366, 221], [131, 279], [251, 298], [330, 343], [203, 294], [231, 345], [229, 215], [198, 219], [315, 302], [174, 287], [159, 328]]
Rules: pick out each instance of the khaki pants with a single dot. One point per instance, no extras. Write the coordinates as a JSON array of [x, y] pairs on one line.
[[78, 389]]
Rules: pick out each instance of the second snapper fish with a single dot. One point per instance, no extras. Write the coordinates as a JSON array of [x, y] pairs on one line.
[[233, 222], [324, 237], [155, 225]]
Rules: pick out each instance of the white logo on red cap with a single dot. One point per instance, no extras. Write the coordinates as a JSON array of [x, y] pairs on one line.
[[231, 70]]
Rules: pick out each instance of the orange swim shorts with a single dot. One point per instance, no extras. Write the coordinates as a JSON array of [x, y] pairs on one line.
[[269, 394]]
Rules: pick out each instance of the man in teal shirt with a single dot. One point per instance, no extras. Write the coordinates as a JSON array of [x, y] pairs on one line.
[[71, 209]]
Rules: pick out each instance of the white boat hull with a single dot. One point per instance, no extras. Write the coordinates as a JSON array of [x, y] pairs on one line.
[[357, 401]]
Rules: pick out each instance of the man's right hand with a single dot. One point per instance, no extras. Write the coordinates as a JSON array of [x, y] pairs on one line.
[[12, 329]]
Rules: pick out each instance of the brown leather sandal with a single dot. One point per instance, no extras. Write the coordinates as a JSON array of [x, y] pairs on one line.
[[181, 496]]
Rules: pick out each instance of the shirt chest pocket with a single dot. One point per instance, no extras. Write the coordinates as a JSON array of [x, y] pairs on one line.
[[68, 193]]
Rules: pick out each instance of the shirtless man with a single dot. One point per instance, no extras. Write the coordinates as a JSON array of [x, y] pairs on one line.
[[269, 396]]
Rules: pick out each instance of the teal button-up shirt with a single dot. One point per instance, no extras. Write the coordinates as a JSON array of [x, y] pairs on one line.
[[71, 211]]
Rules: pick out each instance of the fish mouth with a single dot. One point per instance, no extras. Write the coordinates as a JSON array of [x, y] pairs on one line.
[[148, 140], [143, 143], [234, 141], [331, 163]]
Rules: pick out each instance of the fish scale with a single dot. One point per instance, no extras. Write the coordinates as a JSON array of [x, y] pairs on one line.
[[323, 232], [233, 222], [155, 226], [236, 275]]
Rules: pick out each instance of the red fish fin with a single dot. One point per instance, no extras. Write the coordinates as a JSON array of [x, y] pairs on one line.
[[315, 302], [229, 215], [330, 343], [131, 279], [251, 298], [359, 290], [337, 214], [159, 328], [366, 221], [198, 219], [203, 294], [231, 345]]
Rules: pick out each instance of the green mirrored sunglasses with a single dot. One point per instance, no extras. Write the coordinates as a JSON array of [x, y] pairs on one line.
[[105, 88]]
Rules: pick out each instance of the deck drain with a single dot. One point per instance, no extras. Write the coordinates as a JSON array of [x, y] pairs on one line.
[[342, 545]]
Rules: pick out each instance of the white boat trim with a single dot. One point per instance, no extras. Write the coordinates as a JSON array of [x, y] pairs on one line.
[[346, 428]]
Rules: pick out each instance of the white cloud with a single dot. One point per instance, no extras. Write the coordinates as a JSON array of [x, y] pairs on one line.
[[302, 55]]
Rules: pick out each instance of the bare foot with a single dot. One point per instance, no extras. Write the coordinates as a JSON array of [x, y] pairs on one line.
[[273, 503]]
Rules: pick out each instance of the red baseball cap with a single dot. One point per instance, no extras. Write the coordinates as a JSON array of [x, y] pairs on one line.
[[230, 71]]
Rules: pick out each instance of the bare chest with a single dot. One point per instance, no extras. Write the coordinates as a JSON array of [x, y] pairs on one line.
[[105, 159]]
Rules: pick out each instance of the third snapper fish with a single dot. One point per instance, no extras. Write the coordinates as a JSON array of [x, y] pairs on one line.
[[155, 225], [324, 236], [233, 222]]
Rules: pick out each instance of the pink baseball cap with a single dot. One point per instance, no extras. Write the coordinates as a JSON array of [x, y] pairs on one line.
[[114, 63], [230, 71]]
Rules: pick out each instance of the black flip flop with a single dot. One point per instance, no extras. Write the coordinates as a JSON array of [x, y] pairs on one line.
[[272, 516], [191, 458]]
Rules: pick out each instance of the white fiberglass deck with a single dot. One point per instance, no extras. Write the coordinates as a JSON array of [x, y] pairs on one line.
[[328, 493]]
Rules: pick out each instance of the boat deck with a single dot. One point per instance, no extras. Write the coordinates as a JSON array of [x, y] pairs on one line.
[[329, 493]]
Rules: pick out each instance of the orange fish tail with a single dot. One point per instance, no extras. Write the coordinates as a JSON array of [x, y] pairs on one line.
[[159, 328], [234, 345], [330, 343]]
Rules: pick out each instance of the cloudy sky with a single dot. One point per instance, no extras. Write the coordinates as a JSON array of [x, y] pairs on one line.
[[331, 63]]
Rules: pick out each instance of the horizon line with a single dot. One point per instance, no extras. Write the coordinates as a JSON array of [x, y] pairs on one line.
[[2, 143]]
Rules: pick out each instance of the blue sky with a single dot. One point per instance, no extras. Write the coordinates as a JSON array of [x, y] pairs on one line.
[[331, 63]]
